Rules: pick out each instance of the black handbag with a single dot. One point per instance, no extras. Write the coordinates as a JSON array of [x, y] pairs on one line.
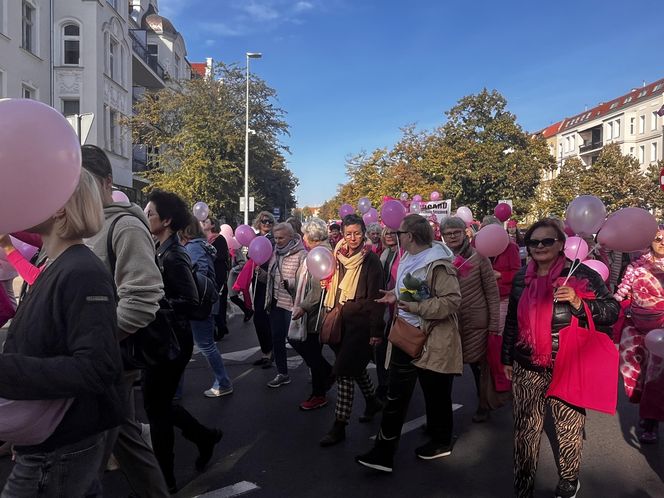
[[155, 344]]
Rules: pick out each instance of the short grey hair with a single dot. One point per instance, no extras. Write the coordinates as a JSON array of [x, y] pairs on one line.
[[489, 219], [315, 230], [453, 222], [284, 227], [374, 227]]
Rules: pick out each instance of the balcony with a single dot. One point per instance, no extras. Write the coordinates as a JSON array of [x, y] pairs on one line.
[[586, 148], [146, 68]]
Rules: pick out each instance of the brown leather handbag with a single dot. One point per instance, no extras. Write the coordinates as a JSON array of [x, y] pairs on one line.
[[330, 332], [406, 337]]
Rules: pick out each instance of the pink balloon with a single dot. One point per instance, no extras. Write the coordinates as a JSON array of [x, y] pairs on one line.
[[233, 243], [321, 263], [345, 210], [628, 229], [364, 205], [260, 250], [120, 196], [465, 214], [503, 211], [415, 207], [417, 198], [201, 211], [402, 197], [370, 216], [586, 214], [568, 230], [599, 267], [40, 163], [392, 213], [655, 342], [226, 231], [435, 196], [245, 234], [576, 248], [26, 250], [491, 241]]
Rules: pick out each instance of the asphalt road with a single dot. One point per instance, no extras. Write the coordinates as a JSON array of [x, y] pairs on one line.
[[270, 447]]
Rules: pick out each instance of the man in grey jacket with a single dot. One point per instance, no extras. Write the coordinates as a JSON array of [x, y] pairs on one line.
[[139, 288]]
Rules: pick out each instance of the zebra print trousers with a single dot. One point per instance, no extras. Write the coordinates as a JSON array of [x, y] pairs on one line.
[[529, 389]]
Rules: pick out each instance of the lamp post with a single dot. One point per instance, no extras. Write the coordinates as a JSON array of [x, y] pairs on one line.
[[250, 55]]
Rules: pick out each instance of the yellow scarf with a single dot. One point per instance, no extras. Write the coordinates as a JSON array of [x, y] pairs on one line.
[[348, 284]]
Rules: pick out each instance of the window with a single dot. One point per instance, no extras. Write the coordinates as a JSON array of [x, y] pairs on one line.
[[616, 128], [71, 46], [653, 152], [631, 151], [113, 3], [642, 154], [632, 123], [573, 142], [28, 27], [2, 19], [71, 107], [28, 92], [566, 144], [113, 55], [653, 121], [658, 87], [609, 131], [642, 93], [642, 124], [114, 131]]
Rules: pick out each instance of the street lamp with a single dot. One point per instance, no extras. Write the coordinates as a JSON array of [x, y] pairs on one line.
[[250, 55]]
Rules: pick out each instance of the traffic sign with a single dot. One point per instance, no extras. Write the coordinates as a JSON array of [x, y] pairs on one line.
[[251, 204]]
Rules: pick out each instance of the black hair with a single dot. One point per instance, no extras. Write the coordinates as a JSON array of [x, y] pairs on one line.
[[216, 226], [335, 226], [296, 224], [170, 206], [96, 161], [353, 219]]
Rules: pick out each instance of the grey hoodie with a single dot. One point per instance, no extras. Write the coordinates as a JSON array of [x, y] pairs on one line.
[[137, 277]]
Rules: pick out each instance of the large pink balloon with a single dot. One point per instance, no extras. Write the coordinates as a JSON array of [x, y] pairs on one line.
[[586, 214], [370, 216], [628, 229], [503, 211], [244, 234], [364, 205], [465, 214], [655, 342], [345, 210], [40, 163], [260, 250], [491, 241], [233, 243], [26, 250], [321, 262], [576, 248], [392, 213], [434, 196], [226, 231], [201, 211], [119, 196], [599, 267]]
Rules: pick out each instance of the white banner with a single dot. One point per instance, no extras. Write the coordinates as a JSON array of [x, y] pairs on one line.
[[506, 201], [439, 208]]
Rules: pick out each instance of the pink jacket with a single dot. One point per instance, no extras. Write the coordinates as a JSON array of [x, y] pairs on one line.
[[243, 282], [508, 263]]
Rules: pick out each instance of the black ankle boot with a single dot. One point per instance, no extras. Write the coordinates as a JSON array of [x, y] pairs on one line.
[[206, 449], [374, 405], [336, 434], [381, 456]]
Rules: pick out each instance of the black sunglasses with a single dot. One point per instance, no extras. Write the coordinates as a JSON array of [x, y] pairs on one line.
[[267, 222], [548, 242], [659, 238]]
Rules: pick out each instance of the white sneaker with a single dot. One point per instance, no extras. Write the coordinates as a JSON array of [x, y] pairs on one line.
[[218, 392]]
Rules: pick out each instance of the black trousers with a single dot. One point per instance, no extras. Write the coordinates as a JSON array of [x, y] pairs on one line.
[[159, 386], [311, 351], [220, 318], [437, 388], [262, 319]]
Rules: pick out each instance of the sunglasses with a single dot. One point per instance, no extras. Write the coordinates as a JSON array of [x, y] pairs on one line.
[[548, 242], [456, 233], [659, 239], [267, 222]]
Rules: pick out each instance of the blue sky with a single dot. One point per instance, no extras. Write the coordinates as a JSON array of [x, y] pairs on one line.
[[350, 73]]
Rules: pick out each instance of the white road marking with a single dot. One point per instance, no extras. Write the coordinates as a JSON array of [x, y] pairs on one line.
[[241, 355], [237, 489], [294, 362], [417, 422]]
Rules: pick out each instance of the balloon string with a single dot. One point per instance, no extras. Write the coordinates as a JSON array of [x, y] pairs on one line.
[[466, 261], [320, 308]]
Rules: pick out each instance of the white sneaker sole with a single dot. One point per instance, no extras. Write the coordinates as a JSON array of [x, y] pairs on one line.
[[375, 466], [211, 394], [283, 383], [433, 457]]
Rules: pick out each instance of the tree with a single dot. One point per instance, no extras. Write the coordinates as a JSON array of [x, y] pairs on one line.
[[200, 133], [562, 189]]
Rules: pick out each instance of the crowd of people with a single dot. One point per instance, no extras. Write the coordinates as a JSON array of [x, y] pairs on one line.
[[109, 276]]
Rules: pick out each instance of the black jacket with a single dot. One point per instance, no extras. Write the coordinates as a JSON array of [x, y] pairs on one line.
[[221, 261], [604, 309], [63, 344], [176, 269]]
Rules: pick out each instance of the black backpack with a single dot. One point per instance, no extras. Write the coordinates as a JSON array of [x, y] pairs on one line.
[[208, 294]]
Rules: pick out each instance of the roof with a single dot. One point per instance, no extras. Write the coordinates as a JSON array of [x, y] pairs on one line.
[[157, 23], [199, 68], [551, 130], [629, 99]]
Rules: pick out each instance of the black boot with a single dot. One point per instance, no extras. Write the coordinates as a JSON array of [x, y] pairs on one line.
[[374, 405], [206, 448], [381, 456], [336, 434]]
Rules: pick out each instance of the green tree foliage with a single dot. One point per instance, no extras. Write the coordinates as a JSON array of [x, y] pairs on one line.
[[561, 190], [200, 133]]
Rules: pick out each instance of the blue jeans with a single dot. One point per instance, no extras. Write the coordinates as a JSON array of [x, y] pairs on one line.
[[280, 320], [70, 471], [203, 332]]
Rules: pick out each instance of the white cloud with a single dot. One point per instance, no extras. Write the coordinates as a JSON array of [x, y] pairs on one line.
[[210, 43], [303, 6], [223, 29], [261, 12]]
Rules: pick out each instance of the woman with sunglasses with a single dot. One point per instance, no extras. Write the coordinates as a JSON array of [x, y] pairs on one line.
[[263, 224], [479, 313], [355, 286], [543, 301], [643, 372]]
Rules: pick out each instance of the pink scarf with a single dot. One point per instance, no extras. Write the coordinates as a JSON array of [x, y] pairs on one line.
[[535, 312]]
